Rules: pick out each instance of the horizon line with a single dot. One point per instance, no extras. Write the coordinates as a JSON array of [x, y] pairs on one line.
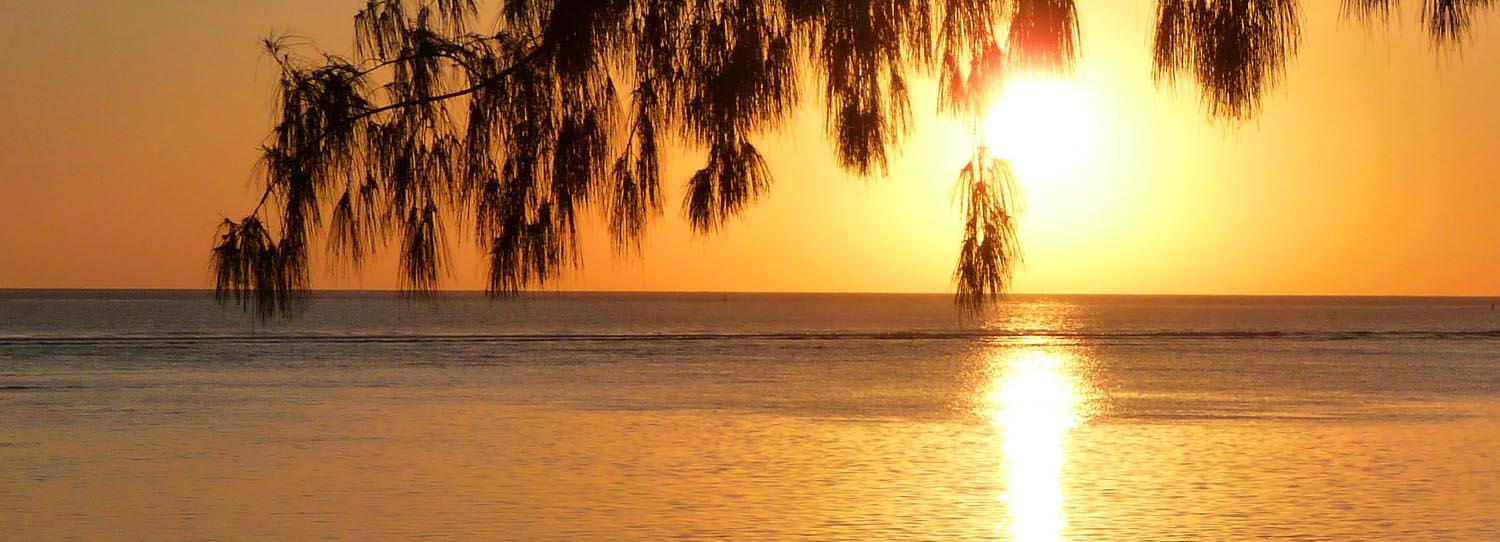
[[755, 292]]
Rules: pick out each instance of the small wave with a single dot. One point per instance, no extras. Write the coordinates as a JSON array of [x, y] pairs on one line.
[[24, 387]]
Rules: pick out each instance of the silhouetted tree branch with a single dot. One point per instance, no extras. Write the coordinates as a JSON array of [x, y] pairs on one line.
[[513, 134]]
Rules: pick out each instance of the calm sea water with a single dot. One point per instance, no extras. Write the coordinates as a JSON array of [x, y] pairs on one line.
[[159, 416]]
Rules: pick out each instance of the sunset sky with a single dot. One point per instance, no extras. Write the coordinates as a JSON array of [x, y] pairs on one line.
[[130, 130]]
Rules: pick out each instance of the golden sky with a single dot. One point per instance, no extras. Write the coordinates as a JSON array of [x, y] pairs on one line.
[[130, 127]]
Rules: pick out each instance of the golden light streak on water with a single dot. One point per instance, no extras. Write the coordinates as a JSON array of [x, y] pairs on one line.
[[1034, 400]]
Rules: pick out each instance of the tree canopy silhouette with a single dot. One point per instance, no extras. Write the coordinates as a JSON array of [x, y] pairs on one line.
[[434, 127]]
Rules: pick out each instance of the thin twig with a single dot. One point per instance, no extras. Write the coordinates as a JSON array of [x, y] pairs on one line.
[[545, 45]]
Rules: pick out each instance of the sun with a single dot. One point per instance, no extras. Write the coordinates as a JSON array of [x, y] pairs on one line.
[[1045, 128]]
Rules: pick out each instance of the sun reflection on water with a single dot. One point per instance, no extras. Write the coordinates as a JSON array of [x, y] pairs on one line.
[[1035, 400]]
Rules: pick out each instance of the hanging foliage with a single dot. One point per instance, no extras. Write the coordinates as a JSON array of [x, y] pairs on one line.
[[509, 122]]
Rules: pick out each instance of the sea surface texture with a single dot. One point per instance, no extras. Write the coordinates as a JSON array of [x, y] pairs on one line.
[[130, 416]]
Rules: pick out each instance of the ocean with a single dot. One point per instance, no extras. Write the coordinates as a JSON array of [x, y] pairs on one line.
[[158, 415]]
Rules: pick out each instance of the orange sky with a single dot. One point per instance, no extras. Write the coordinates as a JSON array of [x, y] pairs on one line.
[[129, 129]]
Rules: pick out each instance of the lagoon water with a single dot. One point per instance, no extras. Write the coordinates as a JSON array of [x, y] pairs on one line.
[[636, 417]]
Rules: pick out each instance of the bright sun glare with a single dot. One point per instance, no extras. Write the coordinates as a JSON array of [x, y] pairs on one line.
[[1035, 401], [1045, 128]]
